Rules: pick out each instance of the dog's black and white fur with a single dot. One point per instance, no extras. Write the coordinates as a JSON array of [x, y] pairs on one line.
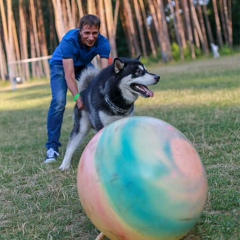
[[107, 95]]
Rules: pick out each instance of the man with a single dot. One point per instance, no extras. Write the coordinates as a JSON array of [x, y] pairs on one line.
[[74, 53]]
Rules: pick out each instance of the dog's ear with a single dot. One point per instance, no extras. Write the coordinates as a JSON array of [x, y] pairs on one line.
[[139, 57], [118, 65]]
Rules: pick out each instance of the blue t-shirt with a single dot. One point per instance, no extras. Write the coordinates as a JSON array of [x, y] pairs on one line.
[[71, 47]]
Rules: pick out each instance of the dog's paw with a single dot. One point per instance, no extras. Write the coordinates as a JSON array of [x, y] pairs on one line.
[[64, 167]]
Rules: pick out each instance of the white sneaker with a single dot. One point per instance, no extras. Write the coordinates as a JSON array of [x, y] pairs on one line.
[[51, 155]]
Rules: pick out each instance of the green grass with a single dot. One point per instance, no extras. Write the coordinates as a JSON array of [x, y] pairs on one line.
[[200, 98]]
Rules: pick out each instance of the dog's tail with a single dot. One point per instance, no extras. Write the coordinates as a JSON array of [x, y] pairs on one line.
[[86, 77]]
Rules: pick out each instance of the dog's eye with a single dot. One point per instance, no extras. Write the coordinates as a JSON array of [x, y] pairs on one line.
[[138, 71]]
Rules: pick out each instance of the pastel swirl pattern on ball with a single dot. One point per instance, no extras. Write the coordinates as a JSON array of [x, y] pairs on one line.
[[151, 182]]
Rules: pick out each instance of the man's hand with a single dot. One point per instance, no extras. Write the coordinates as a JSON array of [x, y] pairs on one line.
[[80, 103]]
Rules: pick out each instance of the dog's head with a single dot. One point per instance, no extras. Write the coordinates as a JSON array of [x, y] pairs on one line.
[[134, 77]]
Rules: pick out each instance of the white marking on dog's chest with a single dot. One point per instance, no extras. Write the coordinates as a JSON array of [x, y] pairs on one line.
[[107, 119]]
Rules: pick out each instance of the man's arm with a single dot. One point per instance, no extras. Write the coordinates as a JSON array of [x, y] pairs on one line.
[[70, 79], [104, 62]]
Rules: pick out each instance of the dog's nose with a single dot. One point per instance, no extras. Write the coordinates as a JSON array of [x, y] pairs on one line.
[[157, 77]]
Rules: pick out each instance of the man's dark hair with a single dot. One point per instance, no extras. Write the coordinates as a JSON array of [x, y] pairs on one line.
[[90, 20]]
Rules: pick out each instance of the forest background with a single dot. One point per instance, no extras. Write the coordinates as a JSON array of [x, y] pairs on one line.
[[160, 30]]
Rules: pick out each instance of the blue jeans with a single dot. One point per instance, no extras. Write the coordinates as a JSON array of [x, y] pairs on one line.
[[57, 106]]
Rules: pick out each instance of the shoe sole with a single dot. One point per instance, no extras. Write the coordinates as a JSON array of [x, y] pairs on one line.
[[50, 160]]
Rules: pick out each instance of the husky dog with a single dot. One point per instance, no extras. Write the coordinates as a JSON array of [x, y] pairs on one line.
[[107, 95]]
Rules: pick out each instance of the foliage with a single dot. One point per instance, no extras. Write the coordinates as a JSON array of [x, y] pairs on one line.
[[225, 50], [187, 52], [198, 52], [200, 98], [175, 51], [151, 59]]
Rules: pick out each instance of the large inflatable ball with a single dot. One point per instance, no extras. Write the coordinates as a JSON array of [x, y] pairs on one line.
[[141, 179]]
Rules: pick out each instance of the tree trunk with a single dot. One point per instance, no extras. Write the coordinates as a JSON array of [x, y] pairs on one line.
[[101, 8], [65, 14], [16, 50], [157, 20], [203, 29], [229, 3], [188, 27], [52, 36], [176, 26], [180, 25], [59, 22], [32, 51], [227, 23], [4, 24], [80, 8], [140, 27], [5, 35], [110, 27], [126, 32], [165, 30], [23, 38], [135, 50], [3, 66], [224, 24], [150, 37], [196, 37], [116, 13], [209, 30], [10, 52], [42, 39], [197, 26], [35, 39], [218, 26], [70, 15], [91, 6], [74, 12]]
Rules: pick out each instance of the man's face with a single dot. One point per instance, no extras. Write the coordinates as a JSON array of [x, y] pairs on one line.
[[89, 35]]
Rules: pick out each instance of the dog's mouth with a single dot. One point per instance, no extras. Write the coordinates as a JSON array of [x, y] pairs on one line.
[[142, 90]]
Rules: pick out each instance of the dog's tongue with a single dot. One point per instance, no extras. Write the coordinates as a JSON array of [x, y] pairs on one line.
[[143, 90], [147, 91], [151, 94]]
